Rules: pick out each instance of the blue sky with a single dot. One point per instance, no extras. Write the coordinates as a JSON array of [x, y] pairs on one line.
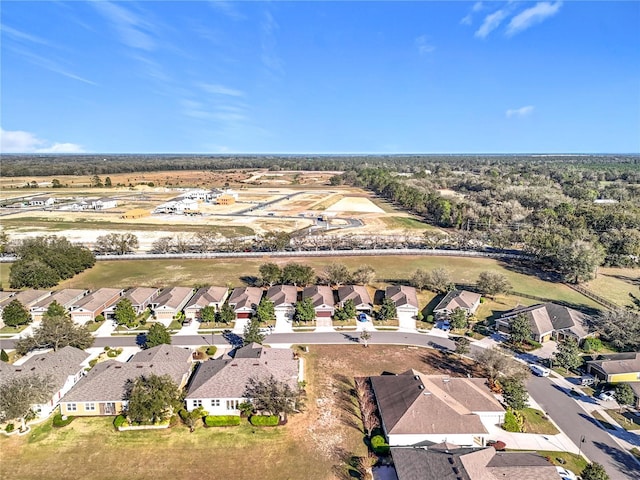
[[320, 77]]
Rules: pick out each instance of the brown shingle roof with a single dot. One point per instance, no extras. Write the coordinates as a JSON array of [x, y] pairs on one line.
[[27, 298], [98, 298], [63, 297], [245, 297], [206, 296], [140, 295], [173, 297], [618, 363], [358, 293], [319, 295], [458, 299], [413, 403], [402, 295], [282, 294], [227, 378]]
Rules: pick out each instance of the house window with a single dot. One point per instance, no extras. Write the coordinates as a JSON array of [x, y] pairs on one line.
[[232, 404], [72, 407], [89, 407], [215, 402], [197, 403]]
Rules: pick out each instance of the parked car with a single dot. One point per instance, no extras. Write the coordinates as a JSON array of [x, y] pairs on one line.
[[566, 474], [606, 396], [587, 380], [265, 330], [539, 370]]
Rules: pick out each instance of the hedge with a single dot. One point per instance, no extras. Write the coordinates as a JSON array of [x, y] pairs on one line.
[[511, 423], [221, 420], [58, 421], [379, 445], [264, 420], [119, 421]]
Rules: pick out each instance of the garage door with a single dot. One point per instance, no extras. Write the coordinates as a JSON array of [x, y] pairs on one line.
[[323, 313], [244, 315]]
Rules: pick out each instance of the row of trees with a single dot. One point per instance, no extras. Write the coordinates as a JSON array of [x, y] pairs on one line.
[[336, 274], [45, 261]]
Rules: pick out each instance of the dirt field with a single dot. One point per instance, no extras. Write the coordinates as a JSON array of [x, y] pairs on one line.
[[355, 204]]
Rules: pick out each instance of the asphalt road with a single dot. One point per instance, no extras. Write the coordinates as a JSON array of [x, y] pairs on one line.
[[574, 421]]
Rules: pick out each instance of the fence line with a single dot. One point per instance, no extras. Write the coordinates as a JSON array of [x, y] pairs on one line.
[[593, 296]]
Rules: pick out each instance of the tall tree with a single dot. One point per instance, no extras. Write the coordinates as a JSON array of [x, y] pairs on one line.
[[208, 314], [124, 313], [265, 312], [420, 279], [365, 336], [439, 280], [272, 396], [336, 274], [276, 241], [304, 311], [270, 273], [363, 275], [568, 354], [620, 327], [514, 393], [462, 345], [298, 275], [151, 399], [499, 364], [21, 392], [459, 318], [594, 471], [579, 260], [252, 333], [624, 395], [226, 314], [387, 310], [15, 314], [157, 335], [56, 332], [493, 283], [520, 329], [116, 243]]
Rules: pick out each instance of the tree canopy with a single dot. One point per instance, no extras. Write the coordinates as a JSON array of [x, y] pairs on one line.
[[493, 283], [124, 313], [226, 314], [272, 396], [252, 333], [620, 327], [304, 311], [265, 311], [151, 399], [21, 392], [157, 335], [568, 354], [56, 331], [15, 314], [116, 243], [520, 329], [270, 273]]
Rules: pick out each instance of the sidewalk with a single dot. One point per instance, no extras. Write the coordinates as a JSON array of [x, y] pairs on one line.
[[106, 329]]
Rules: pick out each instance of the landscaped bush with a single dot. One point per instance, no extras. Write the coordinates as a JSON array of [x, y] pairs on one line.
[[9, 427], [99, 318], [107, 348], [511, 423], [112, 353], [534, 344], [59, 421], [264, 420], [221, 420], [120, 421], [211, 350], [379, 445], [592, 344], [92, 363]]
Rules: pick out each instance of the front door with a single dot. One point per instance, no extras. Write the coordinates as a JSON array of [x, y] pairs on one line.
[[110, 408]]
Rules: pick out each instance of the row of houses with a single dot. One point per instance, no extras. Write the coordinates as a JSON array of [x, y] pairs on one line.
[[103, 203]]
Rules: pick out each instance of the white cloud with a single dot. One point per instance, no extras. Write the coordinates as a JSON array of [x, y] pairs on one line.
[[227, 8], [490, 23], [18, 141], [477, 7], [269, 54], [21, 36], [424, 46], [519, 112], [468, 18], [529, 17], [221, 90], [130, 26]]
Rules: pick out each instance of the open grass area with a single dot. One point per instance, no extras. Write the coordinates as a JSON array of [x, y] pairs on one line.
[[7, 330], [314, 444], [535, 422], [389, 269], [570, 461], [406, 222], [625, 419], [617, 285]]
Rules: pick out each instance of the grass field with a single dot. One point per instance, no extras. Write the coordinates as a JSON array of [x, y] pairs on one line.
[[313, 445], [406, 222], [570, 461], [389, 269], [534, 422], [626, 419], [617, 285]]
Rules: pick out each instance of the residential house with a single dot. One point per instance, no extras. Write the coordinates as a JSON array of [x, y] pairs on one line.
[[65, 367], [67, 298], [140, 297], [360, 296], [222, 197], [185, 206], [635, 386], [244, 301], [225, 199], [548, 320], [92, 305], [417, 408], [616, 367], [205, 297], [284, 298], [467, 301], [196, 194], [27, 298], [41, 201], [322, 298], [102, 390], [404, 298], [170, 303], [219, 385], [104, 203], [446, 461]]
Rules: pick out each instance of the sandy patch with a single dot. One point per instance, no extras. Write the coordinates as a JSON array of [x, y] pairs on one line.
[[355, 204]]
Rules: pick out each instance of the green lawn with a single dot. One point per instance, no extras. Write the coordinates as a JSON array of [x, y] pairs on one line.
[[389, 269], [572, 462], [616, 285], [406, 222], [534, 422], [602, 420], [626, 419], [90, 448], [12, 330]]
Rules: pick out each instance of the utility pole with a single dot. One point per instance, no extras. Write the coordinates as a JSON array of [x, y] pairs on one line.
[[582, 439]]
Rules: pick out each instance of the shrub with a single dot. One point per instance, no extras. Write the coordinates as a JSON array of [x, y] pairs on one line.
[[221, 420], [211, 350], [119, 421], [592, 344], [429, 318], [112, 353], [264, 420], [500, 446], [534, 344], [60, 421], [511, 423], [379, 445], [92, 363], [107, 348], [9, 427], [99, 318]]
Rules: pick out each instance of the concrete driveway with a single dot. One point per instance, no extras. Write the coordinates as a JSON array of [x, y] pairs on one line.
[[406, 322], [283, 323]]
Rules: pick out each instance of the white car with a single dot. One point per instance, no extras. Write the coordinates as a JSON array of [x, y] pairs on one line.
[[539, 370], [566, 474], [606, 396]]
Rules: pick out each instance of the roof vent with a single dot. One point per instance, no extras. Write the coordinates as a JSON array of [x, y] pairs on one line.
[[427, 393], [446, 380], [416, 377], [456, 470], [450, 460]]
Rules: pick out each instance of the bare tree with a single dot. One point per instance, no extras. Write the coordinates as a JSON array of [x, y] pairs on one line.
[[498, 364], [368, 408]]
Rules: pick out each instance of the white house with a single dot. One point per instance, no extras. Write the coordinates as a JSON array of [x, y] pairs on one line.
[[41, 201], [104, 203], [358, 294], [244, 301], [417, 408], [284, 299], [140, 298], [404, 298], [67, 297], [65, 367], [219, 385]]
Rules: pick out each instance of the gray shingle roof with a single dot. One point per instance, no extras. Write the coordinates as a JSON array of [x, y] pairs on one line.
[[206, 296], [618, 363], [319, 295], [358, 293], [245, 297], [458, 299], [282, 294], [227, 378], [163, 353], [27, 298], [546, 317], [402, 295], [173, 297], [63, 297]]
